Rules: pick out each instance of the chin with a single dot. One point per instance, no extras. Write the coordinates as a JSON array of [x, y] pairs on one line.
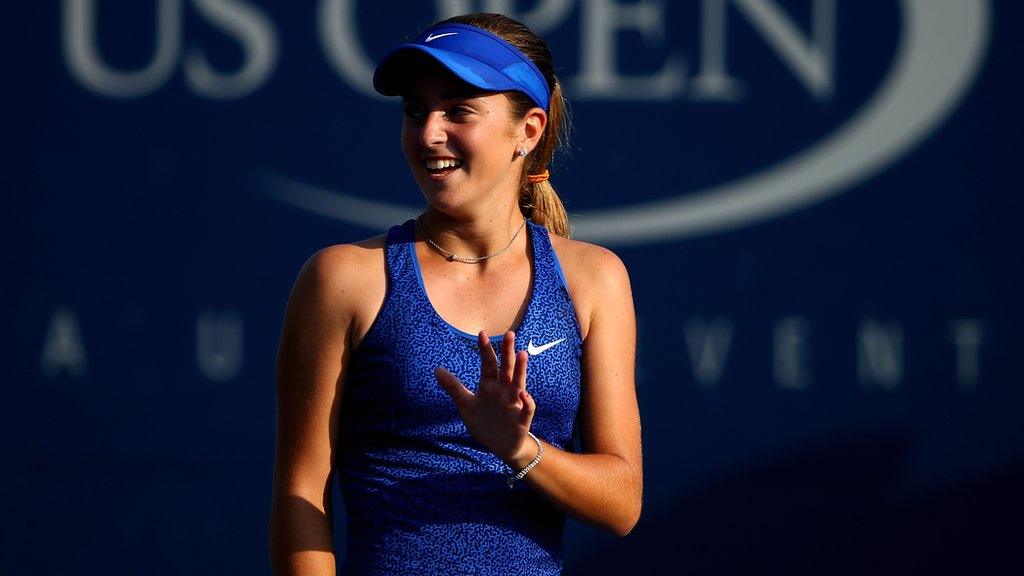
[[447, 203], [439, 197]]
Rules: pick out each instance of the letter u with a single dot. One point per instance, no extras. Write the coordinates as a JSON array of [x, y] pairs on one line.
[[83, 59]]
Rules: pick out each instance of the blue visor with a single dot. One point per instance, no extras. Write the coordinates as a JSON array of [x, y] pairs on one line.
[[478, 57]]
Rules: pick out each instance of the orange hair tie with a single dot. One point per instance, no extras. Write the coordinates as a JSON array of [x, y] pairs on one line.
[[535, 178]]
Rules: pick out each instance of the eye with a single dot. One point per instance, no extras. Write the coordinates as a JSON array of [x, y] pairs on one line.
[[412, 112], [458, 112]]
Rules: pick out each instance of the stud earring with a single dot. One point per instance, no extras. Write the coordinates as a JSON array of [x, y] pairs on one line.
[[523, 152]]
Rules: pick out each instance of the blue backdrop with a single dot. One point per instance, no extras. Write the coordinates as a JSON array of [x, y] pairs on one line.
[[817, 201]]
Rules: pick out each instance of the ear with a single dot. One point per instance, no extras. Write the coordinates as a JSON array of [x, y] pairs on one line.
[[534, 123]]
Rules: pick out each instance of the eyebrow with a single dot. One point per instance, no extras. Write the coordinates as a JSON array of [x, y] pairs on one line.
[[455, 94]]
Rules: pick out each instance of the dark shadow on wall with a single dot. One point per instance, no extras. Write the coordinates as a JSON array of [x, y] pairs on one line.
[[836, 509]]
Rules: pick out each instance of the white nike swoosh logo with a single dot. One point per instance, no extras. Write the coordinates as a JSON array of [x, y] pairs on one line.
[[534, 350], [431, 37]]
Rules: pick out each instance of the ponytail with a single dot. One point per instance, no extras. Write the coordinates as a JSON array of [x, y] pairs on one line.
[[539, 201], [546, 208]]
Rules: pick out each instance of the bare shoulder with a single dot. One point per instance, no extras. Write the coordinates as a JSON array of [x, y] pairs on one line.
[[345, 282], [350, 253], [341, 264], [595, 275], [588, 262], [344, 267]]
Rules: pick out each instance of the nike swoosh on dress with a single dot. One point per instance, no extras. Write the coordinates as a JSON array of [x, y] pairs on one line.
[[534, 350]]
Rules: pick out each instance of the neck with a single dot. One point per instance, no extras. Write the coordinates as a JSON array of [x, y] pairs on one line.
[[474, 237]]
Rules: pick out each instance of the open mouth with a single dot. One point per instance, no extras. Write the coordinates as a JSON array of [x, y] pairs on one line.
[[442, 166]]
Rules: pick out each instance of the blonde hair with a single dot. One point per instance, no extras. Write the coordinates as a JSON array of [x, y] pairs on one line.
[[537, 201]]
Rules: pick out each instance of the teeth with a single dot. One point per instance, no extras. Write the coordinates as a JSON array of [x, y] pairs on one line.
[[442, 164]]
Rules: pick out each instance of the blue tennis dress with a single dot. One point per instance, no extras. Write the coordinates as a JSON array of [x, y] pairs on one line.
[[421, 496]]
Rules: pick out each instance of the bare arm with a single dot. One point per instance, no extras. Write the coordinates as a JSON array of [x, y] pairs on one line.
[[604, 484], [311, 355]]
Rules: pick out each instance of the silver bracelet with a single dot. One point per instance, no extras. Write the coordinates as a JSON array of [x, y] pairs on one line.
[[519, 475]]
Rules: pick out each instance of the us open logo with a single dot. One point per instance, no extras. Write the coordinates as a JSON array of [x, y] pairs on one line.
[[938, 55]]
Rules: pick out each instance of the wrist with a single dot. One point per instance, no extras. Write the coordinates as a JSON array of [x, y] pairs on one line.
[[525, 454], [516, 473]]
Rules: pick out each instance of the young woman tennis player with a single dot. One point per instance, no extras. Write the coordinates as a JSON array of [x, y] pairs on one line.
[[444, 370]]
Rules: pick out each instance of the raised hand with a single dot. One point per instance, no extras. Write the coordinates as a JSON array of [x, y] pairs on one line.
[[499, 414]]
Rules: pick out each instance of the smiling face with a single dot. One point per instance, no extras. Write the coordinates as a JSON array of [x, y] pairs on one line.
[[461, 143]]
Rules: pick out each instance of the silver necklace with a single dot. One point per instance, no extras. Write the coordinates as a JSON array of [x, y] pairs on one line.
[[453, 258]]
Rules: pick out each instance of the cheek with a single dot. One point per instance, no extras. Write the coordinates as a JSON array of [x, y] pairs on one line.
[[409, 148]]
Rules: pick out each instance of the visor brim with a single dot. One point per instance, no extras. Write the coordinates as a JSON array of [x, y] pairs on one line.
[[395, 74]]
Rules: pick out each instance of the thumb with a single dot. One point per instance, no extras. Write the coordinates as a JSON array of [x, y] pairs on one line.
[[451, 384]]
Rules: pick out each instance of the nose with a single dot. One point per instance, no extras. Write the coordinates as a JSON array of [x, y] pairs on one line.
[[432, 130]]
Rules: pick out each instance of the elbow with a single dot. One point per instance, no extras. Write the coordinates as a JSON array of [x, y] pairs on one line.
[[633, 504], [630, 522], [621, 527], [624, 523], [630, 507]]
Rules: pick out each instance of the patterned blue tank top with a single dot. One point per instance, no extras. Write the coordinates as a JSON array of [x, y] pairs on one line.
[[421, 496]]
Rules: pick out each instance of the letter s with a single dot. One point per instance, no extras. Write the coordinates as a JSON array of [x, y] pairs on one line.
[[340, 38]]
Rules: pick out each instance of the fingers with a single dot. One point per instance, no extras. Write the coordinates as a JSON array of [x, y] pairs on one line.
[[508, 357], [488, 359], [518, 376], [451, 384], [517, 385], [529, 409]]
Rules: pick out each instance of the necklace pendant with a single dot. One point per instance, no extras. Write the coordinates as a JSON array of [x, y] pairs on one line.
[[451, 257]]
